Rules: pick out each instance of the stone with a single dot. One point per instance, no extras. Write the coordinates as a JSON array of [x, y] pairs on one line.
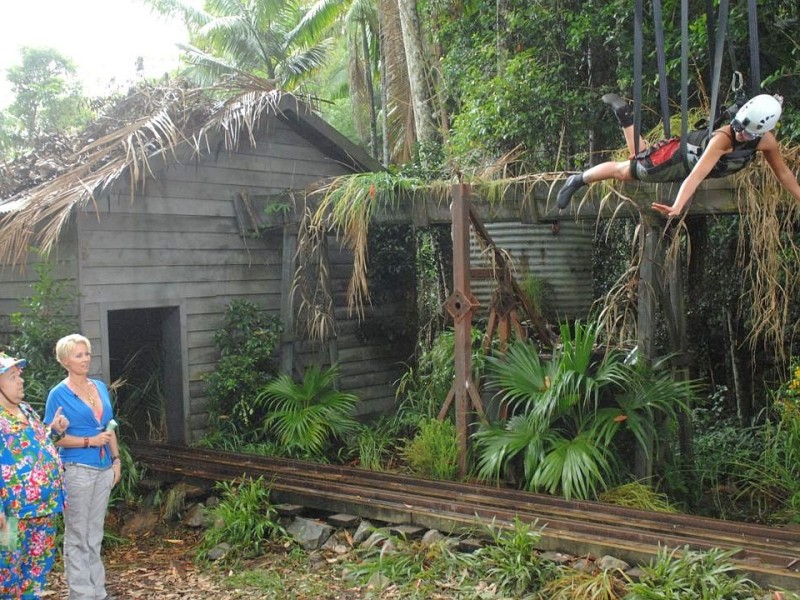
[[310, 534], [558, 558], [431, 537], [344, 521], [611, 563], [289, 510], [365, 529], [219, 551], [407, 532]]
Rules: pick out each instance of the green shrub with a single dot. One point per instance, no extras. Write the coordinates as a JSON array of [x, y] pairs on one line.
[[46, 317], [433, 452], [245, 518], [246, 343], [305, 417], [687, 574], [511, 561]]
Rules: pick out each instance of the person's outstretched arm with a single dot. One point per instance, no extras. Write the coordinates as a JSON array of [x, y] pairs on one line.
[[772, 152], [718, 146]]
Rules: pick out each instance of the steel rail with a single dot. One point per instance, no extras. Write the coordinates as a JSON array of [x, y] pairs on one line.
[[769, 555]]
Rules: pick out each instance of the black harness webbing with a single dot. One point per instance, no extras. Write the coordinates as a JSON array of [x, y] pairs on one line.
[[684, 75], [755, 61], [637, 73], [663, 90], [719, 48]]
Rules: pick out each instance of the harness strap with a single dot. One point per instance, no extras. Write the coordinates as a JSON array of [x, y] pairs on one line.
[[637, 73], [719, 48], [755, 63], [662, 69], [684, 77]]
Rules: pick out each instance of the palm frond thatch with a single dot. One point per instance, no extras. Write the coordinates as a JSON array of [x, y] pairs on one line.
[[174, 118]]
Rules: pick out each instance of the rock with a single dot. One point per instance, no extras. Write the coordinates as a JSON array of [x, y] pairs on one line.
[[365, 529], [558, 558], [195, 517], [219, 551], [431, 537], [611, 563], [310, 534]]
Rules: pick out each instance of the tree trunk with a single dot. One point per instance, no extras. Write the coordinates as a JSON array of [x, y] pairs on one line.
[[424, 123]]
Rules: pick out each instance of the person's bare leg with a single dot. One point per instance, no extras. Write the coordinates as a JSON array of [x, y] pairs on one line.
[[629, 137]]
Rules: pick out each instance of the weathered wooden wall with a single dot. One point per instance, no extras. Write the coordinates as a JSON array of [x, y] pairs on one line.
[[179, 243]]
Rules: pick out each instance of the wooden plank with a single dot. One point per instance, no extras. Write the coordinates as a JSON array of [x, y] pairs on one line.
[[101, 240], [140, 257], [166, 205], [152, 223], [148, 291], [226, 274]]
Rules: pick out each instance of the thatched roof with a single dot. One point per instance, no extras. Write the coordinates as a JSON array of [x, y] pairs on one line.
[[40, 190]]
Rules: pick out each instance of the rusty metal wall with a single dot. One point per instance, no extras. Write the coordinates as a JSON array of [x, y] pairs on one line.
[[561, 257]]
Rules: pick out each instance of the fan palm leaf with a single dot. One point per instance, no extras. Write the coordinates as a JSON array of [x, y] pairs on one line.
[[305, 415]]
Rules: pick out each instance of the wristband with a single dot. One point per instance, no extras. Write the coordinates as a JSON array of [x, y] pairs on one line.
[[55, 436], [114, 458], [86, 442]]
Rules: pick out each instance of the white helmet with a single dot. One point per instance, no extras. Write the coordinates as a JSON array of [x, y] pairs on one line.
[[759, 115]]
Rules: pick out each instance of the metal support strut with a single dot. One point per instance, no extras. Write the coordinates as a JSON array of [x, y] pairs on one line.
[[461, 304]]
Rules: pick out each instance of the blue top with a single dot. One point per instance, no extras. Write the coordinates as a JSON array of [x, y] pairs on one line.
[[82, 423]]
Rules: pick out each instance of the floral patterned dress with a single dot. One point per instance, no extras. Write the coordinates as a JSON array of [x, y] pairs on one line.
[[31, 495]]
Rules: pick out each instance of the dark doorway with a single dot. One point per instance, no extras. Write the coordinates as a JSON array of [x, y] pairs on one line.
[[144, 349]]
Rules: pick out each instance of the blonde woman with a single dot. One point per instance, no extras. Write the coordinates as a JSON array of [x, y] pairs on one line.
[[90, 455]]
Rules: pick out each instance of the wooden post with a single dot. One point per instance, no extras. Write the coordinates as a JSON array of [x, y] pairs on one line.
[[648, 284], [461, 304]]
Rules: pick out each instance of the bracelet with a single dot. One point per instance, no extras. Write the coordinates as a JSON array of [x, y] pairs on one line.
[[86, 442], [115, 458], [55, 436]]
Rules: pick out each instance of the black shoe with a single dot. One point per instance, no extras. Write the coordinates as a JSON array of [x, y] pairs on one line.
[[622, 110], [573, 184]]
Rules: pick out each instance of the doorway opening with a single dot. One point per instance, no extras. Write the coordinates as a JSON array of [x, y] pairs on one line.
[[144, 350]]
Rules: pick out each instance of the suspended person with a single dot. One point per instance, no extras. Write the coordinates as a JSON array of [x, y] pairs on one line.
[[727, 150], [90, 454], [31, 488]]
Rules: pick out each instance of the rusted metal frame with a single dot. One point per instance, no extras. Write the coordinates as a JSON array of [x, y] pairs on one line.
[[546, 336], [461, 305]]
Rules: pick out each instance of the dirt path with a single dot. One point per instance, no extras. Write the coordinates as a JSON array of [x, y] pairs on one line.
[[161, 566]]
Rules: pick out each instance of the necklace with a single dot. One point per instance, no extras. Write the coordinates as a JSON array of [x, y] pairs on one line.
[[87, 390]]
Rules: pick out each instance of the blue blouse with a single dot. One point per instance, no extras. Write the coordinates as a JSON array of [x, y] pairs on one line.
[[82, 423]]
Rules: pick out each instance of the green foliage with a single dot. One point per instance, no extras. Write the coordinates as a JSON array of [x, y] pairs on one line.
[[511, 560], [433, 452], [280, 40], [374, 444], [572, 584], [772, 481], [127, 490], [247, 343], [638, 495], [416, 569], [687, 574], [47, 315], [567, 412], [421, 391], [245, 518], [48, 98], [305, 417]]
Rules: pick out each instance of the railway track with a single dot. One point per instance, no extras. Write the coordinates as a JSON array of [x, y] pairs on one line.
[[769, 555]]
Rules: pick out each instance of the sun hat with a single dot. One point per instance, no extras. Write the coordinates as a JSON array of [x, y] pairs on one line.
[[6, 362]]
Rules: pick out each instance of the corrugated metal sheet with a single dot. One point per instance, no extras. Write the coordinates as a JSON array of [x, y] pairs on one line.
[[562, 261]]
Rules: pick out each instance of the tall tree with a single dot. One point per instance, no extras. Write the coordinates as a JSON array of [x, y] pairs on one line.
[[48, 98], [421, 96]]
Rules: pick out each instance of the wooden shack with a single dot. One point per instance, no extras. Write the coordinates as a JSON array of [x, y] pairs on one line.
[[160, 263]]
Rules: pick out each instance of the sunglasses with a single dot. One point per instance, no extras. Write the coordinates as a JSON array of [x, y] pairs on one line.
[[739, 128]]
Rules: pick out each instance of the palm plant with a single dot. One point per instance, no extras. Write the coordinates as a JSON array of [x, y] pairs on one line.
[[305, 416], [559, 429], [280, 40]]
